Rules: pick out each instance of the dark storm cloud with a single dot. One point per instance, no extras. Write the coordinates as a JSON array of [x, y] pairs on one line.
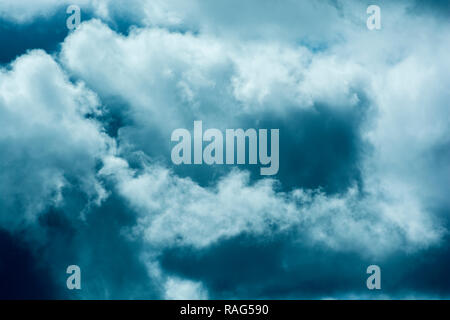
[[246, 267], [320, 147], [282, 268], [114, 262], [110, 264]]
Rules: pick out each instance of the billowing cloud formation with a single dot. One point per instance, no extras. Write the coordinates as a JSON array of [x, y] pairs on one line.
[[364, 129], [47, 142], [177, 211]]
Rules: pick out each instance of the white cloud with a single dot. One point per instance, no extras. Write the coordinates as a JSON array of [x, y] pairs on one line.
[[177, 72], [176, 211], [168, 79], [46, 141], [165, 72]]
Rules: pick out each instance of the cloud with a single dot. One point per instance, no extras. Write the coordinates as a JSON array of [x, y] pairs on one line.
[[177, 212], [222, 82], [363, 120], [251, 74], [47, 141], [199, 63]]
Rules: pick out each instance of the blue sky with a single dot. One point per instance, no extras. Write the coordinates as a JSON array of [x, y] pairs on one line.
[[86, 176]]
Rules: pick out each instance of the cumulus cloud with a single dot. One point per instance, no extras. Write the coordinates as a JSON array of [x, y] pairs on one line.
[[46, 140], [189, 68], [175, 78], [178, 212]]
